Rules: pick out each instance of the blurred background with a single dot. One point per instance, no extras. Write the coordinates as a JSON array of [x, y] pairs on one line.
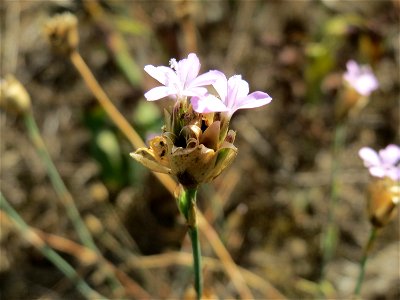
[[269, 208]]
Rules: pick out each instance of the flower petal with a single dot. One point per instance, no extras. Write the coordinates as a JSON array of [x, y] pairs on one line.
[[361, 78], [369, 156], [161, 74], [207, 104], [390, 155], [206, 79], [377, 171], [394, 173], [237, 89], [195, 91], [188, 69], [221, 86], [159, 92], [255, 99]]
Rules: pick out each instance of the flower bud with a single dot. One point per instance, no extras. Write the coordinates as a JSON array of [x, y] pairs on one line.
[[383, 197], [13, 96], [62, 32]]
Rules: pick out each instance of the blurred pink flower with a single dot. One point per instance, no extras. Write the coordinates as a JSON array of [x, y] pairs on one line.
[[180, 79], [386, 163], [234, 94], [361, 78]]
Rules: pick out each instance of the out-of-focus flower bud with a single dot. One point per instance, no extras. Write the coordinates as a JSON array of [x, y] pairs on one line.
[[383, 197], [62, 32], [358, 84], [13, 96]]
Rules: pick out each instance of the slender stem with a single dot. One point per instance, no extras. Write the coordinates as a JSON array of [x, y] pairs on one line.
[[118, 119], [330, 235], [165, 179], [46, 251], [187, 206], [363, 261], [59, 186], [63, 193], [194, 237]]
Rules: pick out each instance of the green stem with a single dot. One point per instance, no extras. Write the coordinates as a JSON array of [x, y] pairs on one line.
[[194, 237], [59, 186], [47, 252], [63, 193], [187, 206], [330, 236], [363, 261]]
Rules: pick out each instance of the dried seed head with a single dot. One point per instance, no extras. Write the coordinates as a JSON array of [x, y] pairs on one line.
[[62, 32], [13, 96]]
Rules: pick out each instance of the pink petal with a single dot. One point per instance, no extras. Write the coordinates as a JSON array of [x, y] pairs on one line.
[[369, 156], [366, 84], [255, 99], [206, 79], [390, 155], [352, 67], [188, 69], [394, 173], [237, 89], [221, 86], [207, 104], [158, 93], [377, 171], [161, 74], [195, 91]]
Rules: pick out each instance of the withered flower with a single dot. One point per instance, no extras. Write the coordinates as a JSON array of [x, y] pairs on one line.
[[13, 96], [190, 148], [62, 32]]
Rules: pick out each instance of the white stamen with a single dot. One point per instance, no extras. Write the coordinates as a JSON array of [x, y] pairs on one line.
[[174, 64]]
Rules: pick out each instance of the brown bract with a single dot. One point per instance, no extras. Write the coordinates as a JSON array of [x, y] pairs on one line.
[[383, 197], [194, 153]]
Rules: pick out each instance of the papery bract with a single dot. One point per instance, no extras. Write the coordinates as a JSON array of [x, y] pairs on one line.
[[181, 79], [234, 95], [386, 163], [361, 78]]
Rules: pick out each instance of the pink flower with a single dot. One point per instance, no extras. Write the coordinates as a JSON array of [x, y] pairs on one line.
[[361, 78], [386, 163], [180, 79], [234, 95]]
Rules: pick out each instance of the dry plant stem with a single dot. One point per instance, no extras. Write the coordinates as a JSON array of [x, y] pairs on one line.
[[371, 239], [85, 254], [226, 259], [164, 260], [62, 191], [181, 258], [48, 252], [105, 102], [167, 181], [114, 114], [115, 42]]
